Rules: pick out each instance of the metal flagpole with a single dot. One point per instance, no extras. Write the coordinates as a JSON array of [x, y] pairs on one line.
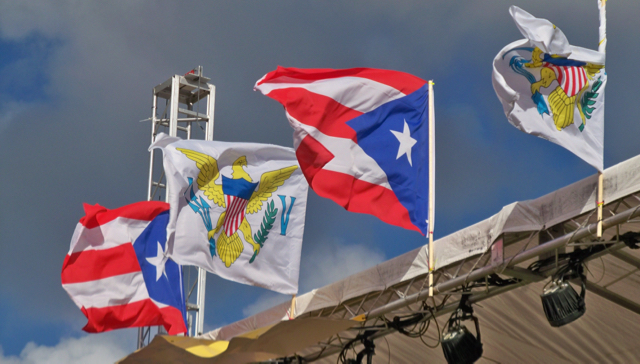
[[432, 182], [602, 45]]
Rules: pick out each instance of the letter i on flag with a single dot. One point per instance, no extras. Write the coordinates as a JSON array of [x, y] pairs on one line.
[[552, 89], [362, 138]]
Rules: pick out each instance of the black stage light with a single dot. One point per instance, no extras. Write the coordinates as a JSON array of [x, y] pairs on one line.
[[459, 345], [561, 303], [631, 239]]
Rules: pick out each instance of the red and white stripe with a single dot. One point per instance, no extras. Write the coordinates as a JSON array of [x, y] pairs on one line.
[[236, 207], [102, 275], [570, 78], [319, 103]]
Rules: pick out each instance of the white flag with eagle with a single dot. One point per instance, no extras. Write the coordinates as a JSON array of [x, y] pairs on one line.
[[552, 89], [237, 210]]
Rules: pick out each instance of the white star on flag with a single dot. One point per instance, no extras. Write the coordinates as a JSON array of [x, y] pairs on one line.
[[159, 260], [406, 142]]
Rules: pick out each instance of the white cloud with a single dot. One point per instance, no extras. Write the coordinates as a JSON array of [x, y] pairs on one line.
[[335, 260], [8, 112], [265, 301], [98, 348], [324, 264]]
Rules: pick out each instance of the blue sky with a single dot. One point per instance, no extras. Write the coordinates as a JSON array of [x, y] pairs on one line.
[[75, 79]]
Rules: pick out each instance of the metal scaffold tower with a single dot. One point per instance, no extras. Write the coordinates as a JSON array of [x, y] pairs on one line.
[[181, 116]]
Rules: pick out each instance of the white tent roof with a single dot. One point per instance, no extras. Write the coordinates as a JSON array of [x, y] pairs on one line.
[[513, 325]]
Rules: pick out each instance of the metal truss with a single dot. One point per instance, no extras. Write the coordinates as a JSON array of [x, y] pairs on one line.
[[183, 96], [509, 257]]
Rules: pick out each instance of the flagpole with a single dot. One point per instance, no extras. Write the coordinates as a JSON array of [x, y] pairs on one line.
[[602, 45], [292, 312], [432, 169]]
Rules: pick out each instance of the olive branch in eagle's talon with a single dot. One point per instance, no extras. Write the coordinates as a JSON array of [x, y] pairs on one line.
[[267, 223]]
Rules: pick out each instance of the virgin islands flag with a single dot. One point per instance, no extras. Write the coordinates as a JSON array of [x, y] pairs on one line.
[[552, 89], [237, 210]]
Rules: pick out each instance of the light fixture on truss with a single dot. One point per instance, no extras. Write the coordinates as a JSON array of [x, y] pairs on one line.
[[459, 345], [560, 301]]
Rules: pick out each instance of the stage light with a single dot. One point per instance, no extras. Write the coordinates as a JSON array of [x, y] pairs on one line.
[[459, 345], [561, 303], [631, 239]]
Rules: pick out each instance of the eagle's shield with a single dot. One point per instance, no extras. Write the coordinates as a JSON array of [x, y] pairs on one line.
[[237, 193], [572, 79]]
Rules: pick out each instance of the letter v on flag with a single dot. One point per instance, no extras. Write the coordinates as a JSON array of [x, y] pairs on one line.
[[361, 137]]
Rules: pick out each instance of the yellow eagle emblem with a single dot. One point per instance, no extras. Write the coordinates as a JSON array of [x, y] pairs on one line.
[[573, 80], [238, 196]]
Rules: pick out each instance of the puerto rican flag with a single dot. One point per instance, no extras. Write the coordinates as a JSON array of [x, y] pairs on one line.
[[117, 273], [361, 138]]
